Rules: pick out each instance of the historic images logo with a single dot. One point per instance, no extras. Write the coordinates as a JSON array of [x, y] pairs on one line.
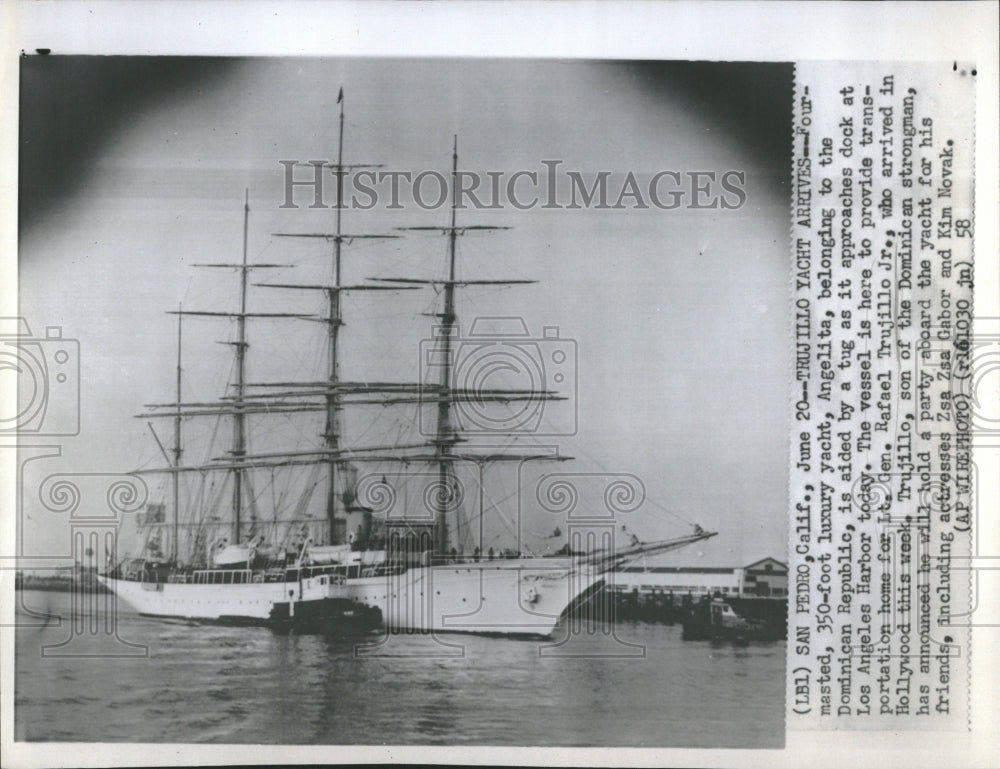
[[548, 188]]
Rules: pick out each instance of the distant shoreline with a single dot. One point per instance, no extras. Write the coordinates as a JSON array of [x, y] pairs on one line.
[[59, 584]]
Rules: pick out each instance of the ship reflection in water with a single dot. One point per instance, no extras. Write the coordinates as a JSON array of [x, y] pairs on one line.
[[208, 683]]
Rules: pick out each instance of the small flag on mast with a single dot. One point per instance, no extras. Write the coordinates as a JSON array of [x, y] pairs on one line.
[[340, 96]]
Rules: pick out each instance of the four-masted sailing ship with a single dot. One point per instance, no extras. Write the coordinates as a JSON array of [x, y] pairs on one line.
[[400, 566]]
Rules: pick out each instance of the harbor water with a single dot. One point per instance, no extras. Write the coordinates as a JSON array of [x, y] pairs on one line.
[[640, 685]]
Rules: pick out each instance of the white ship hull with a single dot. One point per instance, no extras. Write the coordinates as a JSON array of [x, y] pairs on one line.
[[523, 597], [251, 602]]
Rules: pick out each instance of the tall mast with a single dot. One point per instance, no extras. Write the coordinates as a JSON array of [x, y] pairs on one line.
[[445, 395], [177, 442], [334, 388], [331, 434], [235, 405], [445, 437], [239, 419]]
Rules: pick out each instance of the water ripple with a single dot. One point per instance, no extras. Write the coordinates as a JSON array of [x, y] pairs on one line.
[[204, 683]]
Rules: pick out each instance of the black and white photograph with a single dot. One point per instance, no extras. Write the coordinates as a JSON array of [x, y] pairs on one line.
[[410, 392], [379, 386]]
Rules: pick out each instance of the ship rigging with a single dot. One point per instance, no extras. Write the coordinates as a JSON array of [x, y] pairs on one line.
[[389, 562]]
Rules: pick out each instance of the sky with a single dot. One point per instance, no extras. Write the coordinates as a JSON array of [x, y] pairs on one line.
[[132, 170]]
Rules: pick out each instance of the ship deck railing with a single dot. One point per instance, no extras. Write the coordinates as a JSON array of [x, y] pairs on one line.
[[287, 573], [223, 577]]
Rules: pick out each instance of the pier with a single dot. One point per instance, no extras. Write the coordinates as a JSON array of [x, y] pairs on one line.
[[756, 594]]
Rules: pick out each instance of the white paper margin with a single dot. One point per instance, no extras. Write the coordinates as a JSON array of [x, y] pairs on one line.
[[750, 31]]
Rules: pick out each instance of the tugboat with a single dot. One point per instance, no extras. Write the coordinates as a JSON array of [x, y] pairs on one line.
[[715, 620]]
